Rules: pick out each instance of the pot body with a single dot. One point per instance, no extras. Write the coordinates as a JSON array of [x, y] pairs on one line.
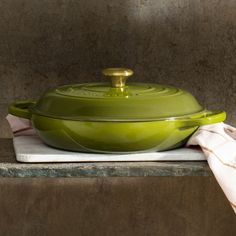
[[115, 136], [111, 137]]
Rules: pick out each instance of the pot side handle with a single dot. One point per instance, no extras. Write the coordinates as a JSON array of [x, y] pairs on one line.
[[21, 109], [209, 117]]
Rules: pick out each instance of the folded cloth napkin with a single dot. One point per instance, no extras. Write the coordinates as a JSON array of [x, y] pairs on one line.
[[218, 142], [20, 126]]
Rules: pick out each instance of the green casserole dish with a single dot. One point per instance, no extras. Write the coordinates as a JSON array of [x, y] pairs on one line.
[[115, 117]]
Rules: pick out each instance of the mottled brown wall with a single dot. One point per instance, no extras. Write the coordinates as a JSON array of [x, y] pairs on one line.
[[151, 206], [186, 43]]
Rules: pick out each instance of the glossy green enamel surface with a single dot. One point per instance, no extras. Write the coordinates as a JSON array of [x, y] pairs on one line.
[[112, 137], [116, 117], [100, 102]]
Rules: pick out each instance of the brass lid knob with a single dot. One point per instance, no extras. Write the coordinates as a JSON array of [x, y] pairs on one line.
[[118, 76]]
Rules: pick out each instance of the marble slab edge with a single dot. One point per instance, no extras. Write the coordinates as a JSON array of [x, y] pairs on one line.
[[115, 169]]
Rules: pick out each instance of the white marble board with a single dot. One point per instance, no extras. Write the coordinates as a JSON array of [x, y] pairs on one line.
[[31, 149]]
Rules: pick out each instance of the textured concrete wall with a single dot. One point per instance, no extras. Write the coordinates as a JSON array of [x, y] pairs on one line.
[[186, 43], [151, 206]]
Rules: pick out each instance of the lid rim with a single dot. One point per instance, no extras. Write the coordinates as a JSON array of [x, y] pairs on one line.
[[97, 119]]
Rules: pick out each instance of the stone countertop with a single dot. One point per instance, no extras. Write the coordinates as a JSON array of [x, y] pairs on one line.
[[9, 167]]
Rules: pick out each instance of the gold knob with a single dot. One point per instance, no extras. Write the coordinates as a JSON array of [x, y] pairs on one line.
[[118, 76]]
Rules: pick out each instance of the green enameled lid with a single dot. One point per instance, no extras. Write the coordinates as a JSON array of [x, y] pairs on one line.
[[117, 100]]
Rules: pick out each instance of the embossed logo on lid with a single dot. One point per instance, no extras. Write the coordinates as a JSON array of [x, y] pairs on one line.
[[102, 90]]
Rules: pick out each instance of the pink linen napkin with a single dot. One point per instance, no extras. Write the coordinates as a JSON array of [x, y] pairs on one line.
[[20, 126], [218, 142]]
